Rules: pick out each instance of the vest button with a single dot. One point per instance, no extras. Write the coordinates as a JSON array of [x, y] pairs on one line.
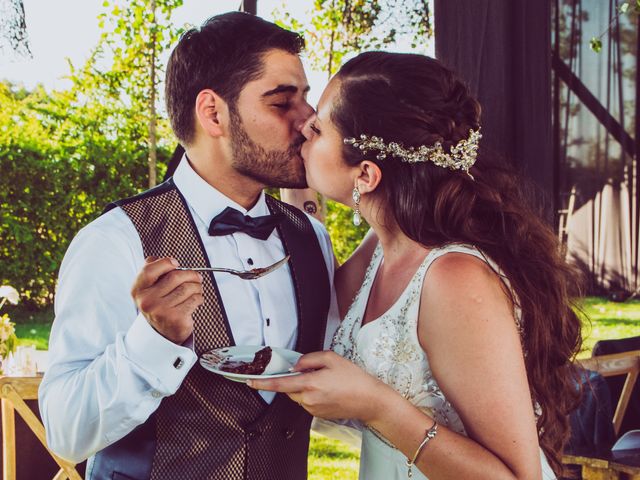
[[288, 433], [253, 433]]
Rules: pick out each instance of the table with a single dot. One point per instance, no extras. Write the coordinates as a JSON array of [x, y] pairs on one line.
[[13, 393], [622, 465]]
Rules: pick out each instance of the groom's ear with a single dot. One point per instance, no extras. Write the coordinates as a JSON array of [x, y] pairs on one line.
[[211, 111], [370, 176]]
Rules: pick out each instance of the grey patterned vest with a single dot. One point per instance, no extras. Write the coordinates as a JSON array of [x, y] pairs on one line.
[[213, 428]]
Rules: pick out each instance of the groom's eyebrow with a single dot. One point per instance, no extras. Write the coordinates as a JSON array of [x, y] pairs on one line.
[[284, 89]]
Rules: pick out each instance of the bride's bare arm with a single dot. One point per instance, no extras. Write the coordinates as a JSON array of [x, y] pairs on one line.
[[305, 199], [466, 327]]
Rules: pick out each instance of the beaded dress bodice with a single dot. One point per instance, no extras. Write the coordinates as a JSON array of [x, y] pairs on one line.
[[388, 347]]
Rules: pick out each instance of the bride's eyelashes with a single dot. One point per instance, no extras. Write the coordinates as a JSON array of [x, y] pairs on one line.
[[314, 129]]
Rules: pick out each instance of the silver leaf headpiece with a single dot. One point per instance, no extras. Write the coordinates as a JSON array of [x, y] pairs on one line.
[[462, 155]]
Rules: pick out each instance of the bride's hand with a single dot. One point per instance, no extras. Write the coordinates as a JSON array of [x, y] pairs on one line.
[[332, 388], [305, 199]]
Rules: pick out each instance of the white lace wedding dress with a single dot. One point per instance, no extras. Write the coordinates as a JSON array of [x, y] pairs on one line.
[[388, 348]]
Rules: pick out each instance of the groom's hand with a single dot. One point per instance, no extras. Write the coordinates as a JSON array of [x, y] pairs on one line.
[[168, 297]]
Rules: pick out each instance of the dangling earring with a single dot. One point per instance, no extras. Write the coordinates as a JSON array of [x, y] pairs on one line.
[[357, 218]]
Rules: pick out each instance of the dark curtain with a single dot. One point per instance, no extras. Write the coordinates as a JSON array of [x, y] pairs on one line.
[[596, 98], [502, 49]]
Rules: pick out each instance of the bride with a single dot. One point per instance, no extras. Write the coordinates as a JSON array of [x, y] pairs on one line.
[[456, 345]]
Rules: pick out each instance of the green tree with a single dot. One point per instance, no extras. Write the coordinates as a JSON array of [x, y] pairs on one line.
[[339, 27], [136, 33], [65, 155]]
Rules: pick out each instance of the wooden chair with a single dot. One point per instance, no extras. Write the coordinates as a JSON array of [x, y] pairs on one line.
[[564, 217], [631, 420], [607, 467], [625, 363], [13, 392]]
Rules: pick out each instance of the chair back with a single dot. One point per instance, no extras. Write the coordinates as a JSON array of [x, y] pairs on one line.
[[631, 419], [15, 392], [625, 365]]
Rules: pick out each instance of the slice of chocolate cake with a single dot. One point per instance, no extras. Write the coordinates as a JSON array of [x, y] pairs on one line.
[[255, 367]]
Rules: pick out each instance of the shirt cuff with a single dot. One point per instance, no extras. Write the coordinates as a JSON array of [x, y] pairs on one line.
[[162, 358]]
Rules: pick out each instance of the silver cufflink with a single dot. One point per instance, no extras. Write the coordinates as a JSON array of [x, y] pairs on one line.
[[178, 363]]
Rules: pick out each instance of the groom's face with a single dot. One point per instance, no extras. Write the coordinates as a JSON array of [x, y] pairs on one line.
[[266, 123]]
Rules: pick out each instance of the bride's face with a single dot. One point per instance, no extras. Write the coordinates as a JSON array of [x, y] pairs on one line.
[[326, 169]]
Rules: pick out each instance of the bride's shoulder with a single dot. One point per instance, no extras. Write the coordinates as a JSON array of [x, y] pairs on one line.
[[455, 268], [350, 275], [464, 280]]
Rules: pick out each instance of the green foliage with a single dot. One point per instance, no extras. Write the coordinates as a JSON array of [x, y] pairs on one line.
[[340, 27], [24, 314], [66, 154], [63, 159], [345, 236], [135, 34], [595, 44], [625, 8]]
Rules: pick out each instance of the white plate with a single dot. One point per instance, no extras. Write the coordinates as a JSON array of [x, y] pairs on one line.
[[213, 359]]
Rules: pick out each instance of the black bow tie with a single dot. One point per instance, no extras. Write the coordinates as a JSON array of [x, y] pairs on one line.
[[232, 221]]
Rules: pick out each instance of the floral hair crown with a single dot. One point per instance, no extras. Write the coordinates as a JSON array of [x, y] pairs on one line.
[[462, 155]]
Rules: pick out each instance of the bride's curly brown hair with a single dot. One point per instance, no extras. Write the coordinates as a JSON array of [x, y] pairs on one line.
[[415, 100]]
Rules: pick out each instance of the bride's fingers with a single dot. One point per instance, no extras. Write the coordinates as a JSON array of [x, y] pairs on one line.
[[294, 384], [315, 361]]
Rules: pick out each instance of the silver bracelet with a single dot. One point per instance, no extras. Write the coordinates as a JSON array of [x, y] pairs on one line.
[[430, 435]]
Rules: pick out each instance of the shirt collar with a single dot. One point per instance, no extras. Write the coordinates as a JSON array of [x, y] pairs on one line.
[[205, 200]]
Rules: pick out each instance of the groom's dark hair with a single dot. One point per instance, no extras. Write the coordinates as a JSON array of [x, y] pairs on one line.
[[224, 54]]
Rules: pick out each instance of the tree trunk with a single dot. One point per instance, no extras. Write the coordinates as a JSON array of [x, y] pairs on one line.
[[249, 6], [152, 104]]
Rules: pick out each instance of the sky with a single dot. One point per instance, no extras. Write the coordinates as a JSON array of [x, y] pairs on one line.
[[63, 29]]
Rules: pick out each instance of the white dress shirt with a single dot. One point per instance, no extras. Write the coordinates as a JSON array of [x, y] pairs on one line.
[[108, 368]]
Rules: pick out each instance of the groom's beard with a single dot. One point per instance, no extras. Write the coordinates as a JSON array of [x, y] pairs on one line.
[[274, 168]]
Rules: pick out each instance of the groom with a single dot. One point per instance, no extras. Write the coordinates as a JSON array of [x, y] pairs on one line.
[[124, 386]]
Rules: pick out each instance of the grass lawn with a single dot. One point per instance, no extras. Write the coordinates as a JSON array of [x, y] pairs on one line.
[[607, 320], [332, 459], [32, 328]]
